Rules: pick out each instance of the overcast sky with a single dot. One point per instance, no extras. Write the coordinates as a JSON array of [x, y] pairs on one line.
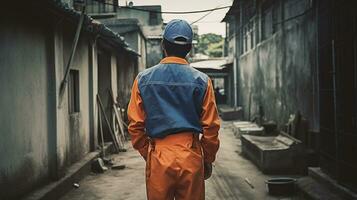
[[210, 24]]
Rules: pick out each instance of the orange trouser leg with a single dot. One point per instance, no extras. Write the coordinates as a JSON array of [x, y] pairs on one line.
[[174, 169]]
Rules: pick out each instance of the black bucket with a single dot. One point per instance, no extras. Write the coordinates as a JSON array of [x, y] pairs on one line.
[[281, 186]]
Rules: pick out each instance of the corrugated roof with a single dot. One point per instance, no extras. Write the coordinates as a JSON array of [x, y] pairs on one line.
[[217, 64], [232, 10], [93, 26], [123, 26]]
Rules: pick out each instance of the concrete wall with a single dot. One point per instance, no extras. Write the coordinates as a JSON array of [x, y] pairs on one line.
[[73, 129], [154, 52], [127, 71], [278, 73], [142, 51], [138, 43], [40, 138], [142, 16], [132, 39], [93, 85], [153, 45], [26, 118], [105, 83], [230, 53]]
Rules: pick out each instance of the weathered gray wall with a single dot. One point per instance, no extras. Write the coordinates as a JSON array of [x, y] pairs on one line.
[[152, 32], [24, 105], [279, 73], [138, 43], [142, 16], [39, 139], [142, 51], [104, 85], [126, 74], [93, 90], [132, 39], [73, 132], [154, 52]]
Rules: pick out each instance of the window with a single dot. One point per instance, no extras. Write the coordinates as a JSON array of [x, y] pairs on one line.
[[267, 20], [276, 17], [231, 28], [249, 35], [102, 6], [153, 20], [271, 16], [73, 91]]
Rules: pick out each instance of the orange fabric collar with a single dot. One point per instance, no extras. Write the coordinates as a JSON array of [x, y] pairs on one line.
[[173, 59]]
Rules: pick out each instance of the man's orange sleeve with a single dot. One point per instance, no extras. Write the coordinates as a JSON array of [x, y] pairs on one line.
[[136, 116], [210, 124]]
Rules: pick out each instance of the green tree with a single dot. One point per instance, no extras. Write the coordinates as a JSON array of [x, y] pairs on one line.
[[210, 44]]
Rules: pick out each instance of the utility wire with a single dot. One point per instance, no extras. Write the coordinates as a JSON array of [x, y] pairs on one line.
[[208, 22], [164, 12], [199, 19], [205, 15]]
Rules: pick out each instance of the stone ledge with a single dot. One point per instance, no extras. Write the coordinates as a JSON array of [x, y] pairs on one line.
[[230, 113], [331, 184], [74, 173], [310, 189]]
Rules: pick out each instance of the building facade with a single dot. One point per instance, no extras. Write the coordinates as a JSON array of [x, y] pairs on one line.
[[141, 25], [150, 19], [274, 58], [131, 30], [43, 132], [300, 56], [337, 56]]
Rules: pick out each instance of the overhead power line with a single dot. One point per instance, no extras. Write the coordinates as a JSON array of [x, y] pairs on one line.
[[205, 15], [208, 22], [164, 12]]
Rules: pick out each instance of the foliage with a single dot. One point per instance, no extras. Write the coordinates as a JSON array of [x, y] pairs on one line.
[[210, 44]]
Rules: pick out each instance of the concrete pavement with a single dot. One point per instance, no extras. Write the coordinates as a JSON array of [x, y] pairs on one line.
[[227, 182]]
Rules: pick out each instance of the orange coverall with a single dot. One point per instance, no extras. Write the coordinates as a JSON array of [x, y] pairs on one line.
[[174, 164]]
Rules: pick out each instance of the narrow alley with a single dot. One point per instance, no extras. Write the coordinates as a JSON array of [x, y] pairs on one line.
[[227, 181], [90, 86]]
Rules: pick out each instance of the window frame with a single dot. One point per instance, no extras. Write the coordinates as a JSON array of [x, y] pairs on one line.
[[74, 91]]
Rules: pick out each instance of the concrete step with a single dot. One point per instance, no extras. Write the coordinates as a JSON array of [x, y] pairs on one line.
[[317, 174], [245, 127], [310, 189], [230, 113]]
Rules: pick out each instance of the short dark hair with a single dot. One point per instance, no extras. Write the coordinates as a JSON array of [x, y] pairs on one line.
[[177, 50]]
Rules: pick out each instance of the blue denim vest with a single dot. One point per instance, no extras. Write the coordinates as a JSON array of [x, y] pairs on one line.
[[172, 97]]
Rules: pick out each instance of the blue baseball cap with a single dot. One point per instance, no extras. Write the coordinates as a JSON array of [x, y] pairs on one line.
[[178, 31]]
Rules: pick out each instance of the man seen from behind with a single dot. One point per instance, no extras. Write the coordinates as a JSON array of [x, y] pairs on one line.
[[173, 121]]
